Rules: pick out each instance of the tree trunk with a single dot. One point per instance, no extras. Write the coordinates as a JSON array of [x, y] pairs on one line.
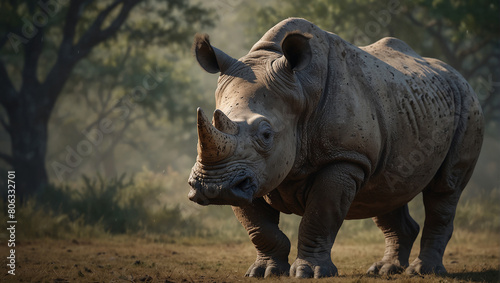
[[29, 148], [29, 125]]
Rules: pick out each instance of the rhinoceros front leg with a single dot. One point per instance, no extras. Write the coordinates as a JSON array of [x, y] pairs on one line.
[[400, 231], [327, 204], [261, 222]]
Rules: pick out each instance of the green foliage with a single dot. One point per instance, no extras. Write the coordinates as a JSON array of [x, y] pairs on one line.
[[35, 222], [478, 17]]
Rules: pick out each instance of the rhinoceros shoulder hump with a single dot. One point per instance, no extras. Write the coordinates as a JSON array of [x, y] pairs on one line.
[[388, 43]]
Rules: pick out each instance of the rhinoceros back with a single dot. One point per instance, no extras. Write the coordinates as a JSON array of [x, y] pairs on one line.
[[432, 125]]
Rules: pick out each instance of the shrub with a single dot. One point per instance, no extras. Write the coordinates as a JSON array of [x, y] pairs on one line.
[[100, 206]]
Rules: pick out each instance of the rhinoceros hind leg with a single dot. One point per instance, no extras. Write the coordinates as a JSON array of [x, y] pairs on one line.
[[400, 231], [440, 209], [443, 192], [261, 222], [440, 201]]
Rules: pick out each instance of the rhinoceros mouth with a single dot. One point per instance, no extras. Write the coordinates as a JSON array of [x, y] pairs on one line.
[[240, 190]]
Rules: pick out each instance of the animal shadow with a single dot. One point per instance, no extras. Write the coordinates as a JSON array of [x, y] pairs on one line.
[[486, 275]]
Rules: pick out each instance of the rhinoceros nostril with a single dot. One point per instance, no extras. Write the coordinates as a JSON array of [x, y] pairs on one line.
[[243, 184]]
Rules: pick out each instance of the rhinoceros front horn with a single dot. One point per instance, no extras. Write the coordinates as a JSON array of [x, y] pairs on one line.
[[215, 143]]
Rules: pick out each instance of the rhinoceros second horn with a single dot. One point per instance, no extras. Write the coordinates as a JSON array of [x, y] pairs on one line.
[[224, 124]]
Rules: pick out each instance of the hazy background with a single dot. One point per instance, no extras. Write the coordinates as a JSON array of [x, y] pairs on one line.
[[99, 104]]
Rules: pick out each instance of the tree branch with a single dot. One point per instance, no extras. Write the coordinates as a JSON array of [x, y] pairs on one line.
[[57, 76], [438, 36], [72, 17], [3, 39], [115, 139], [101, 116], [105, 102], [8, 95], [7, 26], [448, 53], [468, 74], [413, 19], [32, 50], [464, 53], [5, 125], [95, 35], [86, 95], [61, 70]]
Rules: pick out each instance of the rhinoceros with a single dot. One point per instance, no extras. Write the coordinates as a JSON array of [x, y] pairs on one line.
[[309, 124]]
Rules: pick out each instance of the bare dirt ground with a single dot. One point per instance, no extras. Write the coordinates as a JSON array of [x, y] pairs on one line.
[[128, 259]]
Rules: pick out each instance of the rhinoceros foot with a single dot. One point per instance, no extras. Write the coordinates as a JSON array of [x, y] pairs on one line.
[[268, 267], [302, 268], [419, 266], [385, 268]]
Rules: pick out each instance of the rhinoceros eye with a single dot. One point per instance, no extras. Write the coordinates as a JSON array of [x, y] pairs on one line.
[[265, 135]]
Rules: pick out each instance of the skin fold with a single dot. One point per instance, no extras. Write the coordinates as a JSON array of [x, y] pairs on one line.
[[307, 123]]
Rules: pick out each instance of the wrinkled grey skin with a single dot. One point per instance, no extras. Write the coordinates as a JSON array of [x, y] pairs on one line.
[[309, 124]]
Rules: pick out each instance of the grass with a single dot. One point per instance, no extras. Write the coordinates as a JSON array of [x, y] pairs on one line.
[[470, 257]]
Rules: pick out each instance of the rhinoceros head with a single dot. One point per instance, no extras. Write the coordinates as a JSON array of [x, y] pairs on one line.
[[249, 147]]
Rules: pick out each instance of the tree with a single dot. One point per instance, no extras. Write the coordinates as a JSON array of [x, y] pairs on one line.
[[41, 43], [144, 100]]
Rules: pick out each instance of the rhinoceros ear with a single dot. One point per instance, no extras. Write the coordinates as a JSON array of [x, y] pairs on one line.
[[210, 58], [297, 50]]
